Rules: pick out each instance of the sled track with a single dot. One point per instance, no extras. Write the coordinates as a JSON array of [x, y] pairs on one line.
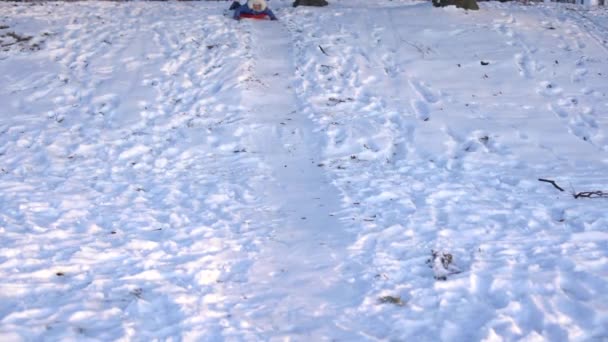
[[299, 285]]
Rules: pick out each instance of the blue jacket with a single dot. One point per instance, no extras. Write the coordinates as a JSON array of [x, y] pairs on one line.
[[244, 9]]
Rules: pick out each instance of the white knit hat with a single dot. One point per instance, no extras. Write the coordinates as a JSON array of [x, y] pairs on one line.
[[262, 4]]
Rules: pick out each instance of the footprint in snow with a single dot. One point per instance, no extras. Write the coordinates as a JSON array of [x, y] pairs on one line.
[[558, 110], [579, 121], [524, 64], [502, 29], [421, 109], [549, 89], [424, 92]]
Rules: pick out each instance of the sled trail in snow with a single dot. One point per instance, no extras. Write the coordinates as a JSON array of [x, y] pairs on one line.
[[303, 265]]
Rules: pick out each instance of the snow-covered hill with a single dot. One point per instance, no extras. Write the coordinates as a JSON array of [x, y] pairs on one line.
[[363, 171]]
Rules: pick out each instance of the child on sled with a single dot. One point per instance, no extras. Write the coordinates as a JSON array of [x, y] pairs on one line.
[[252, 8]]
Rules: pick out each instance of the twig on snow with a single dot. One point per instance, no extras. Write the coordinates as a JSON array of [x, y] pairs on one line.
[[552, 182], [591, 194], [582, 194], [323, 50]]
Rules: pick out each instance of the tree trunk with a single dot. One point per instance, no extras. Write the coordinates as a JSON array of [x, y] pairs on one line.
[[466, 4], [318, 3]]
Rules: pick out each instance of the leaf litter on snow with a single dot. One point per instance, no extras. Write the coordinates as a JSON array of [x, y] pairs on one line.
[[442, 264]]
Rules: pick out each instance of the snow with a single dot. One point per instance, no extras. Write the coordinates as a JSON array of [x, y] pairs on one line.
[[363, 171]]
